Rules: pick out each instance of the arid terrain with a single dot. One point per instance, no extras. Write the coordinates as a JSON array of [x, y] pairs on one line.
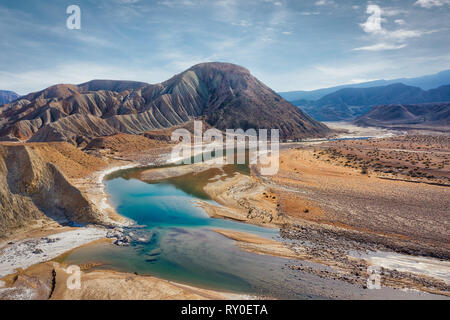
[[336, 203], [419, 158], [328, 206], [336, 198], [224, 150], [379, 200]]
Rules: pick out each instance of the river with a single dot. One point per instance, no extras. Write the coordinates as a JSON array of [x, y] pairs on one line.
[[181, 246]]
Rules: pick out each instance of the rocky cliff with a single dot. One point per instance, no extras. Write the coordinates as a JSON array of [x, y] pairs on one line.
[[32, 188]]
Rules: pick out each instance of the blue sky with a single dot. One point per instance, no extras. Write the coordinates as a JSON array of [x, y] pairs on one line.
[[287, 44]]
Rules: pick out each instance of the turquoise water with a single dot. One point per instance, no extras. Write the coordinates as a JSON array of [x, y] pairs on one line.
[[183, 247], [164, 205]]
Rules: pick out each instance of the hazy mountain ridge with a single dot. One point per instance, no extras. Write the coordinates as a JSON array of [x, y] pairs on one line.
[[228, 96], [349, 103], [425, 82], [7, 96], [419, 116]]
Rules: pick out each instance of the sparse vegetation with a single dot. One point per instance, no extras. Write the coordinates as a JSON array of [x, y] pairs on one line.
[[412, 157]]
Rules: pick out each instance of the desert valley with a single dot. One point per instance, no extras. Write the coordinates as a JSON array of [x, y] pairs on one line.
[[87, 180]]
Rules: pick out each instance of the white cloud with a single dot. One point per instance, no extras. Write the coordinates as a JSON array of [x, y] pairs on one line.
[[403, 34], [390, 39], [381, 47], [128, 1], [174, 3], [431, 3], [323, 75], [389, 12], [355, 70], [324, 2], [274, 2], [373, 23], [309, 13], [242, 23], [93, 40]]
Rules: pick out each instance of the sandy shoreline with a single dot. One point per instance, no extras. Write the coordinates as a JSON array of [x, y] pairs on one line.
[[25, 253], [259, 245], [48, 281], [94, 188], [49, 242], [22, 253]]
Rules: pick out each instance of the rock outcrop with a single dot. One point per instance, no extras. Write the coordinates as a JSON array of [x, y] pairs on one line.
[[32, 188]]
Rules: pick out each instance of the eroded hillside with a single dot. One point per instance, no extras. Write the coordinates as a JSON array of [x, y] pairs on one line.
[[34, 189], [226, 95]]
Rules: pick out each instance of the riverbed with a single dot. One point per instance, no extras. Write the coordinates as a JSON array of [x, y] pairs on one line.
[[179, 243]]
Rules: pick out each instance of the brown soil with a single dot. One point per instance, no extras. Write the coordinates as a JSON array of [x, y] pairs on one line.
[[321, 192], [328, 210], [73, 162], [126, 147], [419, 158]]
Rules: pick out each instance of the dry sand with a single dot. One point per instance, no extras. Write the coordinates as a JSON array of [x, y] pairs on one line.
[[259, 245], [25, 253]]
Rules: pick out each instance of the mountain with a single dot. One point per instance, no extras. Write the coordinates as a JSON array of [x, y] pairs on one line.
[[7, 96], [111, 85], [350, 103], [66, 90], [429, 116], [426, 83], [225, 95], [295, 96]]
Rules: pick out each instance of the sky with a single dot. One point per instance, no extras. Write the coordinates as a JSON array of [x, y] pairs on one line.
[[287, 44]]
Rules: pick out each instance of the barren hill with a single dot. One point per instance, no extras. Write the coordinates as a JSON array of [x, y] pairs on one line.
[[415, 116], [226, 95]]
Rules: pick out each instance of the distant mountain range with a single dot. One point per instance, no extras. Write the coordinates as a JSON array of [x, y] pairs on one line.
[[7, 96], [225, 95], [349, 103], [430, 116], [426, 83]]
